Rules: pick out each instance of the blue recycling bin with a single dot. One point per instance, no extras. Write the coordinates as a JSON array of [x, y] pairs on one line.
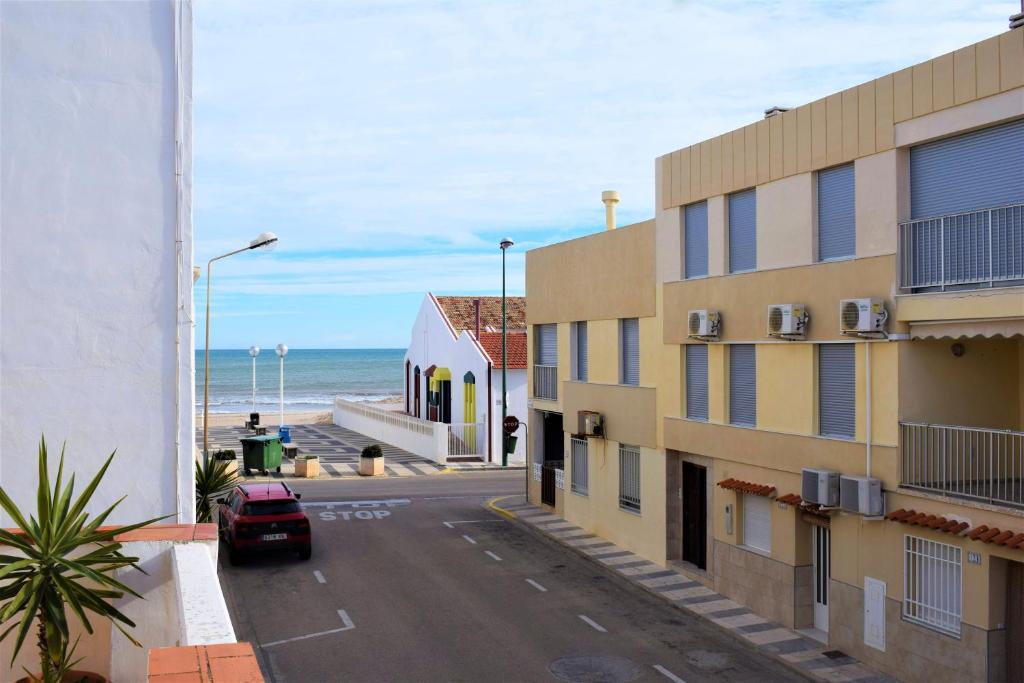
[[285, 433]]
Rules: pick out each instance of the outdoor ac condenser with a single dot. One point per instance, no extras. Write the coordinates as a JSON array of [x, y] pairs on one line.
[[820, 487], [862, 495]]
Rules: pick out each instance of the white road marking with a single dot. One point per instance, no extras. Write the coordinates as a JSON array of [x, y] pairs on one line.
[[492, 555], [593, 624], [536, 585], [668, 674], [319, 576], [451, 524], [469, 538], [349, 515], [342, 614], [387, 502]]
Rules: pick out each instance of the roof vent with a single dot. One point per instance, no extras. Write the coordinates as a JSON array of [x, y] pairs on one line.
[[774, 111], [610, 199], [1017, 20]]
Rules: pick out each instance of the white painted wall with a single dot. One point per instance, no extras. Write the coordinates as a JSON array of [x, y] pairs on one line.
[[425, 439], [96, 342], [516, 384]]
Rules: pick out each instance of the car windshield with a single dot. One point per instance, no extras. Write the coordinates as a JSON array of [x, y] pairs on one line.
[[271, 507]]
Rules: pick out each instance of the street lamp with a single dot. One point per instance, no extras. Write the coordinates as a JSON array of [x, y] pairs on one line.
[[263, 240], [254, 351], [505, 244], [282, 351]]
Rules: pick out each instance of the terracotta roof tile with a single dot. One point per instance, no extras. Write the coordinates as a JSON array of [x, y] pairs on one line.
[[747, 487], [790, 499], [491, 341], [915, 518], [461, 312]]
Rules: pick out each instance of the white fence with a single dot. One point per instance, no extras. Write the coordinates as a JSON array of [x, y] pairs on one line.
[[467, 440]]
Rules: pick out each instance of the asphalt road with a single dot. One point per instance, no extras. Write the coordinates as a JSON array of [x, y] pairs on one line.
[[478, 599]]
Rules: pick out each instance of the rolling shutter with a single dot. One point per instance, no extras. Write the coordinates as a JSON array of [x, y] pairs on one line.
[[742, 385], [757, 522], [581, 351], [837, 234], [630, 345], [977, 170], [742, 231], [836, 390], [695, 236], [697, 381], [547, 344]]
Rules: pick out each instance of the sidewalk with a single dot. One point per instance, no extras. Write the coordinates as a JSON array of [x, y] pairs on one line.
[[804, 655]]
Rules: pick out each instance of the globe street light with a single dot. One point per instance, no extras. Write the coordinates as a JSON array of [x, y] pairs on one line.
[[254, 351], [282, 351], [505, 244], [263, 240]]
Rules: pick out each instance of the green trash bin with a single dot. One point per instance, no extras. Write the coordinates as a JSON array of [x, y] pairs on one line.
[[261, 453]]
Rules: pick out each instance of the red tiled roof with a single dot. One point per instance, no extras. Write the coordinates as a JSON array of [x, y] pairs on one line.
[[914, 518], [491, 341], [987, 534], [790, 499], [747, 487], [461, 312]]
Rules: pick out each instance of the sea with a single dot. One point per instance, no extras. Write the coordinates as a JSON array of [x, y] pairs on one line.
[[312, 378]]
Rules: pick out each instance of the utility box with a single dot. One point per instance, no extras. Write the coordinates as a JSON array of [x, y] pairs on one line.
[[261, 453]]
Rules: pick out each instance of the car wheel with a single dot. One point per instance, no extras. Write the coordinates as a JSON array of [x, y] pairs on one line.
[[234, 556], [306, 553]]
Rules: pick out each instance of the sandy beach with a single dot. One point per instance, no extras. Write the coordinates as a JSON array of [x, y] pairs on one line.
[[290, 417]]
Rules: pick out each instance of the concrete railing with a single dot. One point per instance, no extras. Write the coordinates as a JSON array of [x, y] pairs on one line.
[[421, 437]]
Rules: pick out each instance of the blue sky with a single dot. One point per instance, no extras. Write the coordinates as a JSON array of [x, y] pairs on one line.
[[391, 144]]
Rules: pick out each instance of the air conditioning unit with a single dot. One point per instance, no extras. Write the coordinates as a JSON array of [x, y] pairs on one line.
[[862, 316], [820, 486], [590, 423], [787, 320], [704, 324], [862, 495]]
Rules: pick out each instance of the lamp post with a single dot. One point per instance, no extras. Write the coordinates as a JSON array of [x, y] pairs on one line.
[[254, 351], [505, 244], [264, 239], [282, 351]]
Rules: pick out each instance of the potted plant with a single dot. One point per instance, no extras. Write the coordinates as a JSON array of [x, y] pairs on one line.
[[64, 559], [212, 480], [371, 461], [228, 456], [307, 466]]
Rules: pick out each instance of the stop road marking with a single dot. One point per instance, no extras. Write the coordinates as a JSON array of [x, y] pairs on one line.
[[348, 515]]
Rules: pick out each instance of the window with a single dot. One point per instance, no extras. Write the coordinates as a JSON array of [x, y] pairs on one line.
[[697, 381], [545, 362], [579, 351], [837, 234], [579, 473], [742, 231], [743, 385], [757, 522], [629, 478], [629, 348], [931, 584], [836, 390], [695, 240], [547, 345]]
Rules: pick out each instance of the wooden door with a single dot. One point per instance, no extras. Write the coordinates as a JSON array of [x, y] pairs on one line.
[[695, 515]]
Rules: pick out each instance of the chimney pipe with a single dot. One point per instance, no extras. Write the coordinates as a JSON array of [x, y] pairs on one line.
[[1017, 20], [610, 199], [476, 313]]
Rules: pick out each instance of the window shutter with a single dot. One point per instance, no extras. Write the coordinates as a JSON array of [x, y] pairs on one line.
[[757, 522], [697, 381], [743, 385], [547, 344], [742, 231], [630, 346], [581, 351], [836, 390], [837, 233], [695, 240], [976, 170]]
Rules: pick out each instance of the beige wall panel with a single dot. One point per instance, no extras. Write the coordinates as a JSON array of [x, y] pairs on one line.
[[695, 180], [803, 139], [819, 139], [763, 152], [903, 94], [683, 175], [833, 129], [922, 88], [851, 125], [743, 299], [676, 196], [789, 142], [650, 351], [705, 168], [884, 394], [942, 82], [663, 172], [884, 113], [717, 236], [965, 75], [628, 252], [750, 153], [728, 177], [718, 376], [785, 222], [866, 118], [786, 388], [1011, 59], [603, 351], [716, 165], [876, 196], [775, 146], [987, 56], [960, 306], [976, 114], [739, 159], [630, 413], [668, 248]]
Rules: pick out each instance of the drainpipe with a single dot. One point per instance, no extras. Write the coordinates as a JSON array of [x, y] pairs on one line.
[[476, 313], [610, 199], [867, 405]]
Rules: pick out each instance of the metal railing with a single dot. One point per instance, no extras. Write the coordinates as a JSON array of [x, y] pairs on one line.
[[551, 471], [388, 417], [579, 474], [629, 478], [545, 381], [963, 462], [466, 439], [973, 249]]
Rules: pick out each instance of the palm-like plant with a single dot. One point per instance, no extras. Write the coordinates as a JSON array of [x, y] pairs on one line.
[[212, 479], [58, 569]]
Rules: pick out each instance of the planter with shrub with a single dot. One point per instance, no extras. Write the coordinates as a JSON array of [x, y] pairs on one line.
[[307, 466], [228, 456], [371, 461]]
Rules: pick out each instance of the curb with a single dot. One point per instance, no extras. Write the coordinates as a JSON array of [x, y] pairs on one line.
[[493, 507]]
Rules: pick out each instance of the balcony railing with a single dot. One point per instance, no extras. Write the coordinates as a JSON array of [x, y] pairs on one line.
[[545, 381], [961, 251], [963, 462]]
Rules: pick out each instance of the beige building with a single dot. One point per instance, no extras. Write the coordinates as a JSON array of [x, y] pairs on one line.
[[802, 383]]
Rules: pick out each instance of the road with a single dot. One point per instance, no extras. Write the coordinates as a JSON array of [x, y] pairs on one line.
[[477, 599]]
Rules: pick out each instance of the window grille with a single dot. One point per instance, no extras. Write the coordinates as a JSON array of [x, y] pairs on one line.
[[932, 576], [579, 473], [629, 478]]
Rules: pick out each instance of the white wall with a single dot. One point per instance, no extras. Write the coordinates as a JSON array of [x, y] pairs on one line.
[[96, 340], [516, 384]]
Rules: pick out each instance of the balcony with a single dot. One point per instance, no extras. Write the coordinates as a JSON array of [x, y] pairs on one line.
[[985, 465], [545, 382], [971, 250]]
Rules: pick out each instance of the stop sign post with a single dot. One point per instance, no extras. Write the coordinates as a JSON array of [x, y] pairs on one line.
[[510, 424]]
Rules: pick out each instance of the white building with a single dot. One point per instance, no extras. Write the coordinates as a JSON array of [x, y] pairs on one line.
[[453, 367]]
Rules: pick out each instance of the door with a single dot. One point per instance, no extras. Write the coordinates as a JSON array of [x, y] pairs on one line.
[[554, 440], [821, 553], [695, 515], [1014, 621], [416, 392], [445, 398]]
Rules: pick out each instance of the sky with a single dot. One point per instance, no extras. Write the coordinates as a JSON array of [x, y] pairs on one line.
[[392, 144]]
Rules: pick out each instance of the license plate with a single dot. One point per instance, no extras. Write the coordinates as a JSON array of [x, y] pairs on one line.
[[274, 537]]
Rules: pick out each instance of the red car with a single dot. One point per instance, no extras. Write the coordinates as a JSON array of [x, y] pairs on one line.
[[263, 517]]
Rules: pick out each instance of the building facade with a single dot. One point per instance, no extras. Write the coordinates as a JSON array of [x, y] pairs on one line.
[[829, 300]]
